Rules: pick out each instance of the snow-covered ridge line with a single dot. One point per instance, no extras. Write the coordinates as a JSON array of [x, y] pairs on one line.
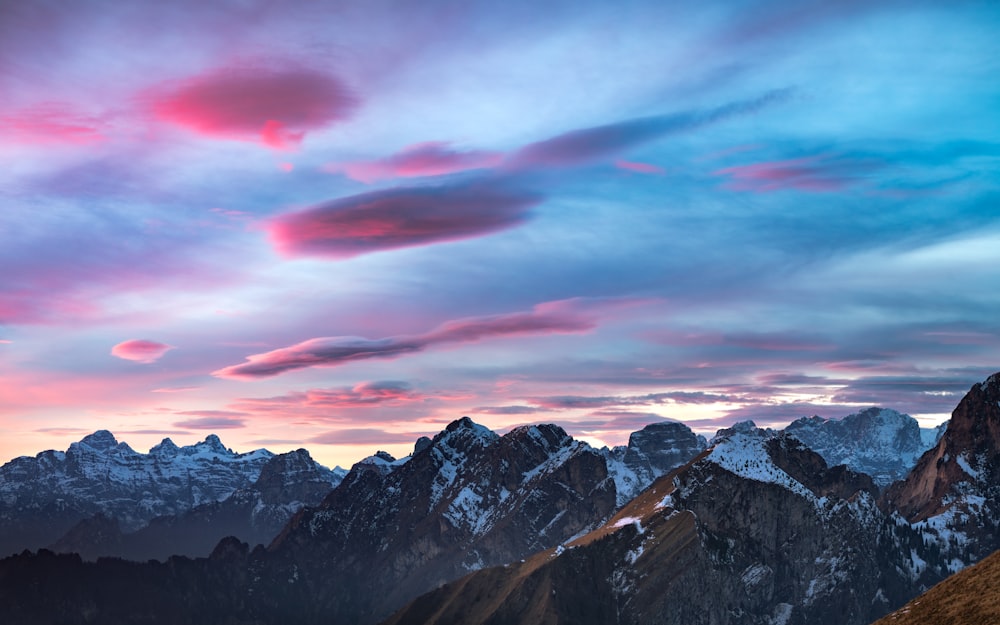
[[744, 453]]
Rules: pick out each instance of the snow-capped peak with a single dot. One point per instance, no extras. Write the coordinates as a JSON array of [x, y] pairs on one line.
[[100, 440]]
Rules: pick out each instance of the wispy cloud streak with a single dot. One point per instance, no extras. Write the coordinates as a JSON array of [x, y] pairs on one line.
[[549, 318]]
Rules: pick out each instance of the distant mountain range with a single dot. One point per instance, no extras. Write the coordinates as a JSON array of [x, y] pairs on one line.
[[111, 499], [755, 526]]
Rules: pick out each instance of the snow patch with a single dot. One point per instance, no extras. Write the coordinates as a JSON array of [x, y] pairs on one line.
[[964, 463], [629, 520]]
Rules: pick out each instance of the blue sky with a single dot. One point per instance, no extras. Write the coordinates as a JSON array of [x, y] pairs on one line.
[[343, 225]]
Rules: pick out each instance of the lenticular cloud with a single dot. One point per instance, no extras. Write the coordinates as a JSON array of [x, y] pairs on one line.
[[138, 350], [398, 218], [275, 107]]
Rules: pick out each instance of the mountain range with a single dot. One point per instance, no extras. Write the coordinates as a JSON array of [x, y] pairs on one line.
[[100, 497], [755, 526]]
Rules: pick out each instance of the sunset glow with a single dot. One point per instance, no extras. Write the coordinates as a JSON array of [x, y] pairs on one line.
[[341, 227]]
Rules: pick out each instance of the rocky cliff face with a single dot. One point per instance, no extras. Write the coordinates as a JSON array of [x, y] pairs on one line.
[[953, 492], [255, 514], [880, 442], [41, 498]]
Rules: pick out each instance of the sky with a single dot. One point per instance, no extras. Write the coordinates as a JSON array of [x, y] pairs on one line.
[[342, 225]]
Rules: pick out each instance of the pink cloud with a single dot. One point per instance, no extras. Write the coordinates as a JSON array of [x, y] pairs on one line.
[[814, 174], [339, 350], [398, 218], [274, 106], [422, 159], [139, 350], [50, 124], [640, 168]]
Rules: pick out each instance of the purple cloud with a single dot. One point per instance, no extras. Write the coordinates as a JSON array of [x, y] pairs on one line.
[[549, 318], [273, 105], [398, 218]]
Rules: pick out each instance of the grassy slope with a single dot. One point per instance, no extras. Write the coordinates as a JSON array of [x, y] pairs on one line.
[[970, 597]]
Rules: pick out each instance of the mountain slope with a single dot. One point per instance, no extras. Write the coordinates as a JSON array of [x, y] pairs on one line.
[[967, 598]]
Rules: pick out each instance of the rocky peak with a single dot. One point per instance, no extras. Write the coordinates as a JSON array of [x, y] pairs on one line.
[[381, 462], [422, 443], [878, 441], [100, 440], [547, 436], [740, 427], [651, 452], [295, 476], [662, 446], [166, 449], [464, 435], [214, 444]]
